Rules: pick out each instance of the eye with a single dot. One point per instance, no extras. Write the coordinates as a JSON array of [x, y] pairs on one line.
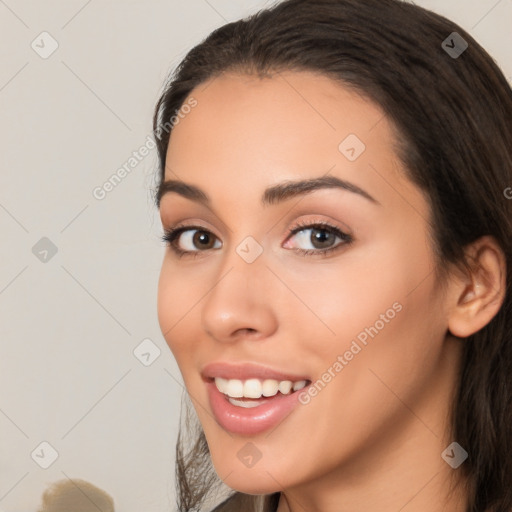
[[190, 239], [321, 237], [318, 238]]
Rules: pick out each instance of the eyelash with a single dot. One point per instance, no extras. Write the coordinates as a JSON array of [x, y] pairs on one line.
[[171, 235]]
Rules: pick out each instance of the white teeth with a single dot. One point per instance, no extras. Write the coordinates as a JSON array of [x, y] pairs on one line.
[[285, 386], [234, 388], [246, 405], [299, 385], [252, 388], [222, 384], [270, 387], [255, 388]]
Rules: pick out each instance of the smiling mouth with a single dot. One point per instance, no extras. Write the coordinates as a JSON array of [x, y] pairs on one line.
[[253, 392], [250, 399]]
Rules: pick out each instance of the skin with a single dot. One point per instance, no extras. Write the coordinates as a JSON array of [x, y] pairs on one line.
[[372, 438]]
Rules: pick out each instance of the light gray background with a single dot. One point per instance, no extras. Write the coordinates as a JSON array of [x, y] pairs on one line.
[[69, 326]]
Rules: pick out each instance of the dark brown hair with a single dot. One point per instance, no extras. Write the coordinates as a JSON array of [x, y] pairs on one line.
[[452, 116]]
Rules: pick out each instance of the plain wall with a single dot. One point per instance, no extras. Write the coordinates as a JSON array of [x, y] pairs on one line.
[[70, 323]]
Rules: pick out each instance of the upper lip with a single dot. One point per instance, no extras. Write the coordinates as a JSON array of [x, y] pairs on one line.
[[244, 371]]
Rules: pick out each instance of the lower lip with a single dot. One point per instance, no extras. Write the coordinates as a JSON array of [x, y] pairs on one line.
[[254, 420]]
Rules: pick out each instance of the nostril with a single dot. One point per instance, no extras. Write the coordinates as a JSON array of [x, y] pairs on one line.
[[246, 330]]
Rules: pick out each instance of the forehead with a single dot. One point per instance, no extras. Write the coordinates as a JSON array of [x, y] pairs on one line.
[[305, 103], [246, 132]]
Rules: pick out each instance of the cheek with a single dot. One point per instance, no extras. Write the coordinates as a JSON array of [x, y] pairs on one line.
[[379, 312], [350, 294], [177, 307]]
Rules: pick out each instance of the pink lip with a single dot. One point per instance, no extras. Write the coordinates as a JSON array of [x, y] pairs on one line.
[[244, 371], [255, 420]]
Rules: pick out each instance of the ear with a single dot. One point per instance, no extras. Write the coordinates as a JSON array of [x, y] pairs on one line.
[[478, 295]]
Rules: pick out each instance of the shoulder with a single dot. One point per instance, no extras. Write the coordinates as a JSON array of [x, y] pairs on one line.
[[222, 506], [227, 505], [248, 503]]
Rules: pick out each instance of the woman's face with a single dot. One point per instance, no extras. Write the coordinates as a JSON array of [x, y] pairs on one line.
[[360, 316]]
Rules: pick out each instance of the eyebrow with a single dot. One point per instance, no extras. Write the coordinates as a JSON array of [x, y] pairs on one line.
[[272, 195]]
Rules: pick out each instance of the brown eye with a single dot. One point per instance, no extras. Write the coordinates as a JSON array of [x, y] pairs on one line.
[[317, 238], [322, 238], [203, 240], [194, 239]]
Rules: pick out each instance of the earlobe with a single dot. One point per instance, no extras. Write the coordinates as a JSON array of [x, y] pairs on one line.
[[479, 295]]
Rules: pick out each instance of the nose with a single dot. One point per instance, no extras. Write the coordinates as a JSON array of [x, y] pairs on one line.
[[239, 303]]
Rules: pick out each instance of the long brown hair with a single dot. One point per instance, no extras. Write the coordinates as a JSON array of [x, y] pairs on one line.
[[452, 113]]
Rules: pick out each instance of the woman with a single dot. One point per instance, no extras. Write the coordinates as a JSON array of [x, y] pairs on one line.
[[337, 284]]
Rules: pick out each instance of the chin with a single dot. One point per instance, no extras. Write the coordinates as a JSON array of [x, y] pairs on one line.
[[259, 479], [250, 484]]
